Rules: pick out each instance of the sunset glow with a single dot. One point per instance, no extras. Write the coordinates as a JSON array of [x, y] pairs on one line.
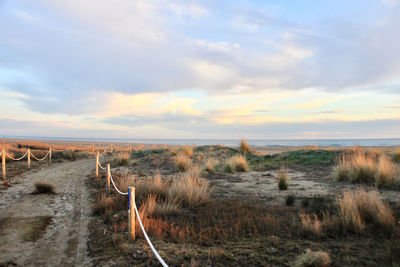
[[200, 69]]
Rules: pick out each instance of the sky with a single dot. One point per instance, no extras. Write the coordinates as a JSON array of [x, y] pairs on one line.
[[269, 69]]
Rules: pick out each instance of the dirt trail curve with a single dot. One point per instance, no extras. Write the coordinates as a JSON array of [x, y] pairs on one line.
[[47, 230]]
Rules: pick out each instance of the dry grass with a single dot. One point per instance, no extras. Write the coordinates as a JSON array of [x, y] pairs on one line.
[[144, 187], [210, 164], [190, 189], [188, 151], [396, 156], [236, 163], [283, 178], [69, 154], [356, 208], [43, 188], [125, 182], [387, 172], [311, 223], [183, 162], [362, 167], [121, 159], [167, 207], [152, 207], [244, 147], [104, 205], [313, 259]]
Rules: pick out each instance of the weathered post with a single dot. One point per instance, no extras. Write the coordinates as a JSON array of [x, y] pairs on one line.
[[50, 155], [97, 163], [111, 148], [3, 161], [108, 179], [29, 158], [93, 148], [131, 213]]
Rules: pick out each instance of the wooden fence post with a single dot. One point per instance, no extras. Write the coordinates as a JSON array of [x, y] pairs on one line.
[[93, 148], [29, 158], [111, 148], [131, 213], [108, 179], [3, 160], [97, 163], [50, 155]]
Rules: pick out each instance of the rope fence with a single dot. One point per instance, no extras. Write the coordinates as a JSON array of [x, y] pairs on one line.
[[4, 155], [132, 209]]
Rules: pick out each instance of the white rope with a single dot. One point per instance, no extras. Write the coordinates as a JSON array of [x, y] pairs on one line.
[[101, 167], [33, 156], [116, 188], [104, 152], [147, 238], [18, 158]]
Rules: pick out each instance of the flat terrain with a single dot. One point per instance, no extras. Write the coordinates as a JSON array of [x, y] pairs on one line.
[[46, 230], [245, 220]]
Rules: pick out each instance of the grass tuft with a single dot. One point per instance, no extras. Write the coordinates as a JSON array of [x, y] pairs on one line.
[[356, 208], [244, 147], [290, 199], [283, 179], [183, 162], [188, 151], [104, 205], [313, 259], [121, 159], [190, 189], [362, 167], [236, 163], [44, 188], [210, 165]]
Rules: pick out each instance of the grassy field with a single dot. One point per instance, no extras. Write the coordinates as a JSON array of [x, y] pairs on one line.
[[222, 206]]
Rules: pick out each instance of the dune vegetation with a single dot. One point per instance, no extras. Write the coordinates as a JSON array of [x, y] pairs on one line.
[[235, 205]]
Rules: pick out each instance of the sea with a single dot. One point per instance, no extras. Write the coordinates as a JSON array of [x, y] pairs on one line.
[[232, 142]]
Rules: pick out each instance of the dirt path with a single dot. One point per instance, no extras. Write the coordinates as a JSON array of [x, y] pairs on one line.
[[47, 230]]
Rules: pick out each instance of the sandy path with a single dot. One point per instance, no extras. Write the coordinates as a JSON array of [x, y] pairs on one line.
[[64, 241]]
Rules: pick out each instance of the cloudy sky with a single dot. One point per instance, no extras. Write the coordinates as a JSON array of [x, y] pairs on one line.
[[200, 69]]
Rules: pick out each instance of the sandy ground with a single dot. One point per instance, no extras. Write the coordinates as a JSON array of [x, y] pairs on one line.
[[263, 185], [64, 240]]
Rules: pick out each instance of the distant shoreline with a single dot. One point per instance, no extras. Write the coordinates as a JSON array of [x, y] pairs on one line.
[[259, 143]]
